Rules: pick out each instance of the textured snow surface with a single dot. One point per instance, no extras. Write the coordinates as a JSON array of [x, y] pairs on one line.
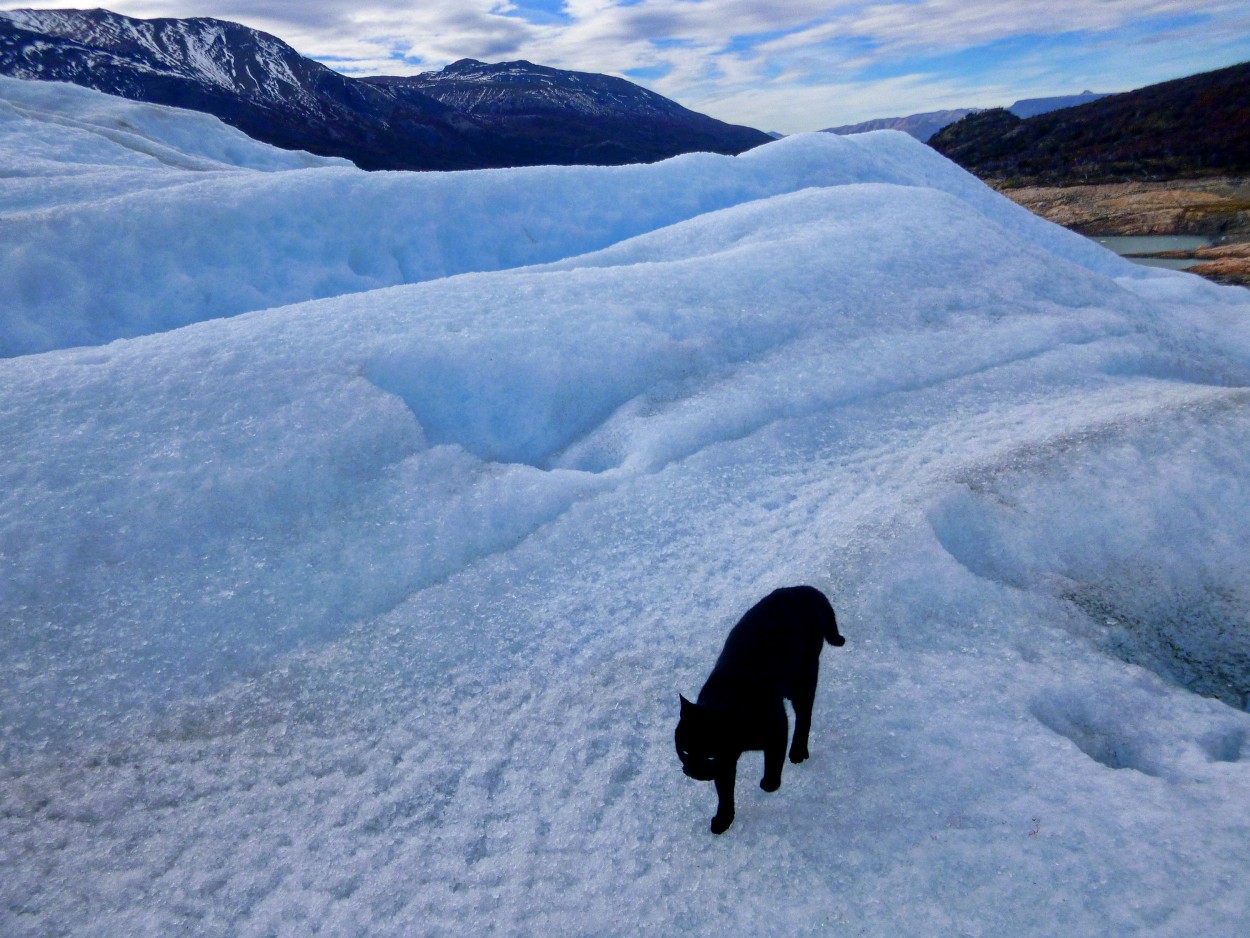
[[368, 615], [50, 130]]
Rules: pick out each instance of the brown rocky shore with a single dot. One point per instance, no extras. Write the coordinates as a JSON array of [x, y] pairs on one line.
[[1218, 208], [1225, 263]]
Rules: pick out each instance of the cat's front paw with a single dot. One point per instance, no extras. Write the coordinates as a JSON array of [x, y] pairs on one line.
[[798, 755], [770, 784], [721, 823]]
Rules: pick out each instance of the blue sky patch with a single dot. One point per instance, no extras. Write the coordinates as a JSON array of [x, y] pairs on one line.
[[539, 12], [648, 72]]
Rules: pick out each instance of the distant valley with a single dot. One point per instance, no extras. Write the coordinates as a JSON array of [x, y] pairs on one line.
[[923, 126]]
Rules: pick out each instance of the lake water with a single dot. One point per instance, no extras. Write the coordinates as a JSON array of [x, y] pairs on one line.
[[1150, 244]]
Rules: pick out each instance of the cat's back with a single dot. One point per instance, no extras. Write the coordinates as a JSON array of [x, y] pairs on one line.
[[776, 636]]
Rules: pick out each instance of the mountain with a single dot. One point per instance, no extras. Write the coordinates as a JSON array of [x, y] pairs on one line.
[[554, 116], [921, 126], [1187, 128], [258, 83]]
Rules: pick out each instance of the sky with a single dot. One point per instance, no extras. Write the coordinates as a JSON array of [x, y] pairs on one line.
[[778, 65]]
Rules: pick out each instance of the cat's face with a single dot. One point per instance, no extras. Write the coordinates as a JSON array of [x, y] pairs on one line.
[[698, 742]]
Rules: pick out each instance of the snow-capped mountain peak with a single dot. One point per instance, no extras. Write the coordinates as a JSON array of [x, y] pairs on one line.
[[244, 61]]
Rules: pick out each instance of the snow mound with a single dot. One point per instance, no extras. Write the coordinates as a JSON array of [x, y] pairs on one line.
[[95, 256], [368, 614], [52, 128]]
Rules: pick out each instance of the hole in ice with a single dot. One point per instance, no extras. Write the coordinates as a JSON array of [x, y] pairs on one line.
[[1147, 551], [1192, 636], [513, 406], [1219, 373], [1095, 731], [971, 527], [1225, 746], [1176, 623]]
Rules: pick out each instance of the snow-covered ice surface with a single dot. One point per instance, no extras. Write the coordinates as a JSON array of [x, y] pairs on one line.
[[368, 615], [93, 253]]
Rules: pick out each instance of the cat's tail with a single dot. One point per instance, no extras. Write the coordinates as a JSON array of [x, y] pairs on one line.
[[832, 635], [829, 621]]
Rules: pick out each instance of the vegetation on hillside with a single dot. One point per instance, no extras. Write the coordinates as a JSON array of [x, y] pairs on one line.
[[1188, 128]]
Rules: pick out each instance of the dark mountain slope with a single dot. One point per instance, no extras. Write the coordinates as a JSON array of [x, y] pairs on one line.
[[552, 115], [1188, 128]]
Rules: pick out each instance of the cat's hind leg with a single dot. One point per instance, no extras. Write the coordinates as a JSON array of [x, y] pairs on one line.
[[803, 696]]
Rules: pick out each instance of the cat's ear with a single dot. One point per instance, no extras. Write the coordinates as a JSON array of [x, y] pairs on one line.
[[685, 704]]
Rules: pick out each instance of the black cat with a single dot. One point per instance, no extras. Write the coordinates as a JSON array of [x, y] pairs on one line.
[[771, 655]]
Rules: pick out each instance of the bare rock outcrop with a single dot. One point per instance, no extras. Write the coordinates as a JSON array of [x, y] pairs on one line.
[[1212, 207]]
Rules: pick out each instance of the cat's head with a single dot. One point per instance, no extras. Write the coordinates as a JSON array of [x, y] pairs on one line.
[[698, 741]]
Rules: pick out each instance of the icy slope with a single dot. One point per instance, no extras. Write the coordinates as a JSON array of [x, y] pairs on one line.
[[369, 614], [135, 255], [52, 129]]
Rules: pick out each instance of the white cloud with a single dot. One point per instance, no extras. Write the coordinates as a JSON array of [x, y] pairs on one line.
[[953, 24], [790, 107]]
